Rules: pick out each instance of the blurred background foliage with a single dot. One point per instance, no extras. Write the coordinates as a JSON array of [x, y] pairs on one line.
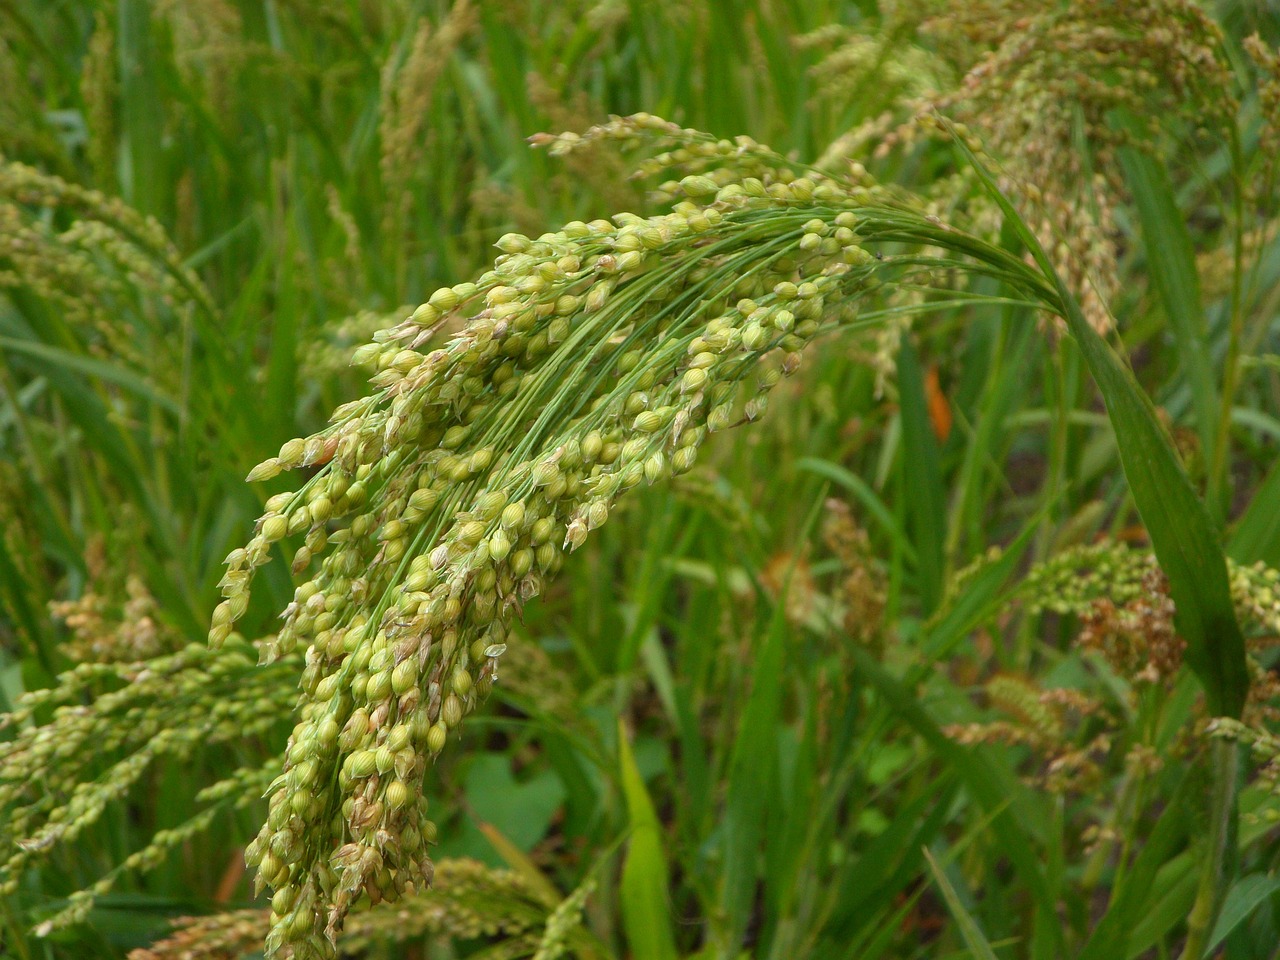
[[839, 644]]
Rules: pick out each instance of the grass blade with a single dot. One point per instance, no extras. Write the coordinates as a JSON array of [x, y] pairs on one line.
[[121, 376], [977, 941], [1182, 534], [926, 500], [1257, 534], [752, 774], [646, 914], [1246, 896], [1171, 264], [994, 788], [1133, 899]]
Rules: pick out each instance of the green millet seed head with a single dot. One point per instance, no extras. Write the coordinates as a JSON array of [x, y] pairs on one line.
[[461, 682], [440, 503], [451, 711], [379, 686], [489, 504], [454, 437], [683, 459], [631, 262], [384, 759], [400, 737], [291, 453], [575, 536], [522, 562], [404, 677], [274, 528], [655, 467], [693, 380], [597, 514], [542, 530], [548, 557]]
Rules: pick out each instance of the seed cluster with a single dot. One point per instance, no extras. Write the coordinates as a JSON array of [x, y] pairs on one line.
[[1058, 725], [110, 274], [1037, 82], [109, 257], [1125, 615], [1076, 580], [115, 618], [1266, 60], [589, 361], [1137, 639], [55, 784], [469, 900]]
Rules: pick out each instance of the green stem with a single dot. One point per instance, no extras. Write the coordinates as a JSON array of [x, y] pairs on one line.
[[1218, 867]]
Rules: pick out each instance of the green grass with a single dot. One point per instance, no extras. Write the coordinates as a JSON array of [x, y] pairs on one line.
[[854, 686]]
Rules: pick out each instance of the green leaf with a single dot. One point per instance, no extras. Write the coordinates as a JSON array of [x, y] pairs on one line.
[[1246, 896], [1173, 893], [976, 940], [752, 777], [1182, 534], [862, 490], [889, 862], [520, 811], [1136, 896], [1257, 534], [120, 375], [926, 500], [1171, 263], [646, 912], [993, 787], [980, 597]]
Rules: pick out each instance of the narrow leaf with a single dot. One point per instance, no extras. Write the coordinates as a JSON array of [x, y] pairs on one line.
[[1135, 897], [1245, 897], [926, 500], [1171, 262], [752, 773], [976, 940], [1182, 534], [646, 913], [991, 786], [1257, 534]]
